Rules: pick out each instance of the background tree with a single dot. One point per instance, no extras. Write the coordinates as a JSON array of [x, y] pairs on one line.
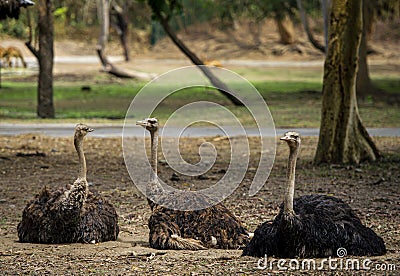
[[103, 9], [163, 10], [45, 56], [281, 11], [119, 21], [372, 10], [364, 84], [343, 138], [307, 29]]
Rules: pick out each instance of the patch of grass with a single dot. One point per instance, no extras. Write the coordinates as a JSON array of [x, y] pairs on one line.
[[389, 85], [294, 103]]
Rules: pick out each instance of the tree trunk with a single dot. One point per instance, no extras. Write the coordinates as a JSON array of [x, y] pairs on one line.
[[343, 138], [304, 21], [222, 87], [45, 108], [285, 30], [103, 12], [121, 25], [103, 9], [325, 4], [364, 84]]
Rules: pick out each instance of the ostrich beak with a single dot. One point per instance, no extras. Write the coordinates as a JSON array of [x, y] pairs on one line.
[[142, 123], [285, 138]]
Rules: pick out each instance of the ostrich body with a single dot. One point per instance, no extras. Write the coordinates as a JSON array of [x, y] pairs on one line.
[[312, 225], [213, 227], [69, 215]]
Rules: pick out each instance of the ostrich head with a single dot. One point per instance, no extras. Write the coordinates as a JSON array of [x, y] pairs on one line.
[[292, 138], [151, 124], [81, 130]]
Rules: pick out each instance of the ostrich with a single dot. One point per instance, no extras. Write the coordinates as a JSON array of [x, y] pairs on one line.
[[312, 225], [69, 215], [213, 227], [10, 8]]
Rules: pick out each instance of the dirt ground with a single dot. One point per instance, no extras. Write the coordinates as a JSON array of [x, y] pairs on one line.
[[29, 162]]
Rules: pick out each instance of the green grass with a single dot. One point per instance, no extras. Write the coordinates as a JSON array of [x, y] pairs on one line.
[[293, 103]]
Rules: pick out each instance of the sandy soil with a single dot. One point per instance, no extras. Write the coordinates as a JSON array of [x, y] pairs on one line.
[[371, 189]]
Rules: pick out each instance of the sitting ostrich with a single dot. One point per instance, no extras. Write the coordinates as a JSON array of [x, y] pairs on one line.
[[11, 8], [213, 227], [312, 225], [69, 215]]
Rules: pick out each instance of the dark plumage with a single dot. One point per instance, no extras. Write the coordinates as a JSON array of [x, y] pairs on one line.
[[11, 8], [312, 225], [213, 227], [69, 215]]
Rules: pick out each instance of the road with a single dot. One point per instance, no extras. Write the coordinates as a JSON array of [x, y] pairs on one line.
[[105, 131]]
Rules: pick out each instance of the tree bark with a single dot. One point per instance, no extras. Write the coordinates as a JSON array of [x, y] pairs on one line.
[[364, 84], [45, 108], [121, 25], [103, 9], [343, 138], [304, 21], [285, 30], [325, 4], [222, 87]]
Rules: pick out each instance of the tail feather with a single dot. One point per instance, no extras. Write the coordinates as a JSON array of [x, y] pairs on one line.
[[177, 242]]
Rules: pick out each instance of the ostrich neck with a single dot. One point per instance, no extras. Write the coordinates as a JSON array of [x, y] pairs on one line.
[[153, 160], [291, 174], [78, 142]]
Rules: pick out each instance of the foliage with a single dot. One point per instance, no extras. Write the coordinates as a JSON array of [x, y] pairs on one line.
[[14, 28], [387, 9], [164, 9]]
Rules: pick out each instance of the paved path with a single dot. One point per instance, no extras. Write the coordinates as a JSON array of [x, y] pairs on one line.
[[104, 130], [92, 59]]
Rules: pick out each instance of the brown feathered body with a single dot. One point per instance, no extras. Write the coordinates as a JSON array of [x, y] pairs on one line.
[[69, 215], [213, 227], [47, 219], [172, 228]]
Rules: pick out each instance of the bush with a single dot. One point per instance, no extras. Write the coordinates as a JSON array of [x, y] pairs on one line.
[[14, 28]]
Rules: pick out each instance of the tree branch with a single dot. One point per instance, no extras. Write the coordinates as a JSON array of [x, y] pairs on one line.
[[304, 21], [222, 87]]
